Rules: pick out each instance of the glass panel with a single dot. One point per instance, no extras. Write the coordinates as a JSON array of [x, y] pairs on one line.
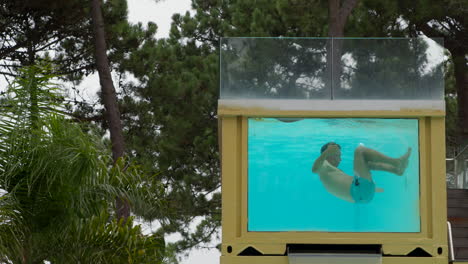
[[387, 69], [375, 189], [259, 68], [451, 178], [460, 169], [328, 69], [432, 70]]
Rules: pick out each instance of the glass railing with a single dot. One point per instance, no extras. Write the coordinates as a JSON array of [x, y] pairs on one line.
[[457, 170], [332, 69]]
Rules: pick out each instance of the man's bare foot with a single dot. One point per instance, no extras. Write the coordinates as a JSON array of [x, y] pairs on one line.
[[403, 162]]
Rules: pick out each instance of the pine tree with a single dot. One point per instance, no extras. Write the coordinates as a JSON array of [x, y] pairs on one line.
[[171, 112], [446, 19]]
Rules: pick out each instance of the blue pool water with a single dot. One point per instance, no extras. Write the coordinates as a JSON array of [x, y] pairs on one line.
[[284, 194]]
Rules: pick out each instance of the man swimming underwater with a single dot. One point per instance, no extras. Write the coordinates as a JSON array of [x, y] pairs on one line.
[[360, 188]]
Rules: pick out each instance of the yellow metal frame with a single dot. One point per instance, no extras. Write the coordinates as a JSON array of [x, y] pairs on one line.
[[433, 210]]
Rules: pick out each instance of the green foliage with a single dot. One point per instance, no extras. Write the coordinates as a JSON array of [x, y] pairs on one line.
[[446, 19], [34, 29], [172, 130], [451, 107], [98, 240], [13, 233], [59, 188], [61, 31]]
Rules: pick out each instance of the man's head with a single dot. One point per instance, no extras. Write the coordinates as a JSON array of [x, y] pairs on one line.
[[335, 158]]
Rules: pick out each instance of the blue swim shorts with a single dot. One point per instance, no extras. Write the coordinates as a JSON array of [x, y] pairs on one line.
[[362, 190]]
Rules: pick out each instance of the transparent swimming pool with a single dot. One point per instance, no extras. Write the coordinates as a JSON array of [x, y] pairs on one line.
[[284, 194]]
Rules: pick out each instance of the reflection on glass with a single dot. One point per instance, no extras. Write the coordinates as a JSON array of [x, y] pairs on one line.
[[259, 68], [387, 69], [335, 175], [293, 68]]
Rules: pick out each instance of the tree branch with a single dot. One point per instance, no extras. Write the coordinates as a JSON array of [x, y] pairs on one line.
[[10, 65], [78, 117], [49, 44], [18, 45], [8, 74], [86, 67]]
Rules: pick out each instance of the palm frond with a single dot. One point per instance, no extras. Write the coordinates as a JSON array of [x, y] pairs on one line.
[[60, 185], [98, 240], [11, 228]]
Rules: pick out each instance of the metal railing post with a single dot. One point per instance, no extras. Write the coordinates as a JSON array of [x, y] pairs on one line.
[[452, 254]]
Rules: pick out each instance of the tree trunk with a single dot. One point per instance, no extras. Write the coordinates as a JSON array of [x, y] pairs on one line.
[[34, 107], [337, 16], [335, 20], [459, 52], [109, 96], [32, 86], [461, 81]]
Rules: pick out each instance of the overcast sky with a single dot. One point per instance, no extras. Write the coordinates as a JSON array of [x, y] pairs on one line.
[[161, 14]]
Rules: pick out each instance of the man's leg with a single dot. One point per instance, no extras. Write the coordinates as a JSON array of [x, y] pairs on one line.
[[361, 165], [383, 167], [366, 159]]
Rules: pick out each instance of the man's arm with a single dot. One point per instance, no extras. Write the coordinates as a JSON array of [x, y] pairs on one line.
[[331, 149]]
